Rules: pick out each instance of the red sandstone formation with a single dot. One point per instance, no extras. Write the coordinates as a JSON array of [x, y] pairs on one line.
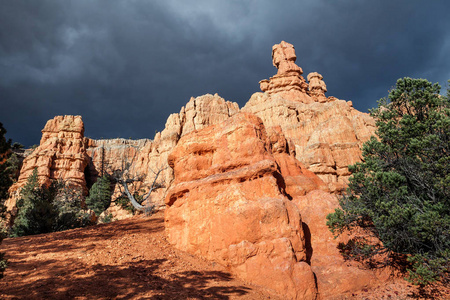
[[327, 133], [234, 174], [317, 87], [227, 205], [146, 156], [108, 155], [297, 180], [60, 155], [65, 153], [335, 276], [198, 113], [289, 80]]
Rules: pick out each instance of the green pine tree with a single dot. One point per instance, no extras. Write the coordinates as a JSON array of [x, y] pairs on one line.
[[5, 183], [5, 173], [36, 211], [401, 190], [99, 198], [68, 204]]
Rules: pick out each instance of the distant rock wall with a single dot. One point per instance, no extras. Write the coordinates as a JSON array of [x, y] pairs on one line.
[[147, 156], [64, 152]]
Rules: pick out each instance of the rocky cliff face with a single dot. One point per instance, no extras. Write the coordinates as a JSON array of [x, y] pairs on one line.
[[249, 189], [327, 133], [228, 204], [231, 202], [147, 156], [336, 278], [60, 155], [65, 153], [198, 113]]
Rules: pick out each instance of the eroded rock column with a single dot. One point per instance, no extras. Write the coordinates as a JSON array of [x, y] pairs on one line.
[[227, 206]]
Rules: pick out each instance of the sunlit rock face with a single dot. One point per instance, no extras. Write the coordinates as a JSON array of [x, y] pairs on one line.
[[249, 189], [317, 87], [61, 154], [64, 152], [326, 133], [199, 112], [147, 156], [288, 81], [228, 204]]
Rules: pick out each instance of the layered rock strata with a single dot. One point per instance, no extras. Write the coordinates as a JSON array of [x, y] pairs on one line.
[[336, 278], [317, 87], [61, 154], [289, 80], [64, 152], [146, 156], [245, 192], [228, 205], [108, 155], [327, 133], [198, 113]]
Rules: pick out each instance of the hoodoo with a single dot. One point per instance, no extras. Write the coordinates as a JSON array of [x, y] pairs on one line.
[[326, 133], [249, 189], [61, 154]]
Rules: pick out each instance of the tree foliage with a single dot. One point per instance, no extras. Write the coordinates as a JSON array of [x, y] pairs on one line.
[[35, 208], [5, 171], [43, 209], [69, 202], [99, 198], [5, 183], [401, 190]]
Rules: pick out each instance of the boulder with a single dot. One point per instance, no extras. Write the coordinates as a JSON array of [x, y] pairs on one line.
[[227, 204], [336, 278]]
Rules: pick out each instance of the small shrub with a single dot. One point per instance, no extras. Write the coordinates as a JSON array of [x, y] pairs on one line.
[[43, 209], [3, 261], [125, 203], [107, 218], [99, 198], [400, 192]]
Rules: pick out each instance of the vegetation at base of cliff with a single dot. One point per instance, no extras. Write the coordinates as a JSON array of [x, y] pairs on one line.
[[8, 164], [5, 167], [43, 209], [400, 193], [125, 203], [99, 198]]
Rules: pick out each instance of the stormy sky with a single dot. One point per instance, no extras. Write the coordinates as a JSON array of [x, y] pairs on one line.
[[125, 66]]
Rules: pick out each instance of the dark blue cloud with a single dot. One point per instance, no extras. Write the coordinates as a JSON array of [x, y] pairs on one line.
[[126, 65]]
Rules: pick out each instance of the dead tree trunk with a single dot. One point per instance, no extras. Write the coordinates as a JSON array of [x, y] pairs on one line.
[[122, 179], [125, 178]]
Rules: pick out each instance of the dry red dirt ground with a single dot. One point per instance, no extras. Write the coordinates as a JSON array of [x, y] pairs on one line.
[[129, 259]]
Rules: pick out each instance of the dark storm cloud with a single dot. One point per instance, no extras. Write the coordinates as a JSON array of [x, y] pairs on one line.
[[126, 65]]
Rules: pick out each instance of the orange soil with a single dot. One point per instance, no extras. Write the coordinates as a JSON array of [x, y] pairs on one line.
[[128, 259], [131, 259]]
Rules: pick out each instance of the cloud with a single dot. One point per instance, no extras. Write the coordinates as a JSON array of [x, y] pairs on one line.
[[126, 65]]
